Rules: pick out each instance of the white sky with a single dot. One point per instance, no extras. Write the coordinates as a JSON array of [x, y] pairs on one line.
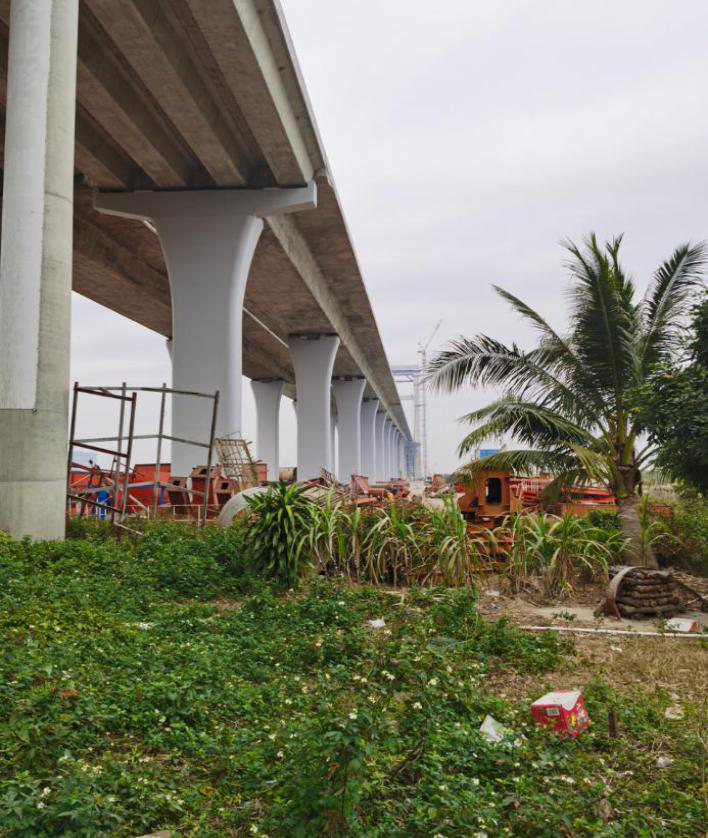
[[466, 139]]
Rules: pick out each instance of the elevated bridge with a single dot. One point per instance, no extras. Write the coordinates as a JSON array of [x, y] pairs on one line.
[[162, 159]]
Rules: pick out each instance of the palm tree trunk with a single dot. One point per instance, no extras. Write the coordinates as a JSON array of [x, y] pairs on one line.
[[637, 551]]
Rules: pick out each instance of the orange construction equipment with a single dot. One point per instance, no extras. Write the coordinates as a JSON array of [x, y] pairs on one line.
[[494, 494]]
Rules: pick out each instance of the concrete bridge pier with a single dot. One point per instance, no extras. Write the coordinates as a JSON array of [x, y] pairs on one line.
[[36, 266], [380, 446], [393, 449], [313, 360], [369, 407], [333, 443], [208, 238], [348, 394], [267, 395], [388, 448]]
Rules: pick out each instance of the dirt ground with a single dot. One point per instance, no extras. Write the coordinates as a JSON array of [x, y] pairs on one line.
[[674, 663]]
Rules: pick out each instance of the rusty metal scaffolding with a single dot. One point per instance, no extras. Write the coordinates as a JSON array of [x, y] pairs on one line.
[[118, 478]]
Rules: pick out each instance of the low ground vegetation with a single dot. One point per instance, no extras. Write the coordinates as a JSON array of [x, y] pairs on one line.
[[165, 685]]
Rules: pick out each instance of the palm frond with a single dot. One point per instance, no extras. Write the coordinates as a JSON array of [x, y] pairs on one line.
[[556, 357], [536, 375], [518, 461], [529, 422], [480, 360], [605, 319], [668, 299]]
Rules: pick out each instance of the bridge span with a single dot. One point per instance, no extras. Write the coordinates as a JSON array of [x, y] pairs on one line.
[[161, 158]]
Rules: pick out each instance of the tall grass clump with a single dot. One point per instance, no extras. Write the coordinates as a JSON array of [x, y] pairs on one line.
[[560, 551], [457, 555]]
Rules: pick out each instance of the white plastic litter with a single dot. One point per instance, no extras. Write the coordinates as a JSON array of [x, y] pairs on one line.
[[663, 762], [673, 712], [378, 623], [616, 648], [493, 730], [681, 624]]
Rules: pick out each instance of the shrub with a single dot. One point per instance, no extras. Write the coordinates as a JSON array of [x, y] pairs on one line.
[[685, 544], [560, 550], [278, 533]]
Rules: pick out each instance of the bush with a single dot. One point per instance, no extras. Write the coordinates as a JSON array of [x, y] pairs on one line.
[[561, 550], [685, 544], [278, 533]]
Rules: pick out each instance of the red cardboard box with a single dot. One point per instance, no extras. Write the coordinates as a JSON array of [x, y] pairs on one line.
[[562, 710]]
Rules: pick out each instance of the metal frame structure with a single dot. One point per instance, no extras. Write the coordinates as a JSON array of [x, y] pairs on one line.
[[412, 375], [125, 455]]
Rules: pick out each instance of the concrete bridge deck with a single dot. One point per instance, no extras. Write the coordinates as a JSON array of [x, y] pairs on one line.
[[206, 94], [202, 207]]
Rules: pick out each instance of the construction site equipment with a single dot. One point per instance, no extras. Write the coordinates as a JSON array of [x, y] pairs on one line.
[[493, 494], [236, 461], [119, 482]]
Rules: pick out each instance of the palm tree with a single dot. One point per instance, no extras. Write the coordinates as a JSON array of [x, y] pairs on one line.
[[567, 402]]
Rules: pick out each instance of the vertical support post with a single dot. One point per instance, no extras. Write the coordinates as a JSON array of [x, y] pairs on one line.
[[380, 446], [35, 266], [388, 427], [333, 443], [313, 359], [267, 395], [119, 447], [369, 407], [128, 456], [72, 434], [157, 487], [348, 393], [209, 238], [207, 481]]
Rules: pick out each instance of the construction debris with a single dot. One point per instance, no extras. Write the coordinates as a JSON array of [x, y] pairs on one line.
[[643, 592]]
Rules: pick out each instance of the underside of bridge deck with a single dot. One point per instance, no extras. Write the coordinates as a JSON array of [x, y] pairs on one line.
[[206, 94]]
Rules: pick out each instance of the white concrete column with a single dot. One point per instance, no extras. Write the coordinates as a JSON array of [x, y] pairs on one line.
[[333, 443], [35, 266], [380, 446], [348, 393], [369, 407], [402, 456], [313, 359], [267, 395], [209, 238], [388, 436]]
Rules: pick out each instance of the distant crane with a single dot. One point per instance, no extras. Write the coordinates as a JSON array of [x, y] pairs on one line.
[[417, 460], [421, 414]]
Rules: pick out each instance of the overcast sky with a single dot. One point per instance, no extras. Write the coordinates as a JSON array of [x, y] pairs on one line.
[[467, 139]]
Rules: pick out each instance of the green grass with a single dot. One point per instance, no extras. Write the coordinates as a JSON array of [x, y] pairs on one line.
[[164, 687]]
